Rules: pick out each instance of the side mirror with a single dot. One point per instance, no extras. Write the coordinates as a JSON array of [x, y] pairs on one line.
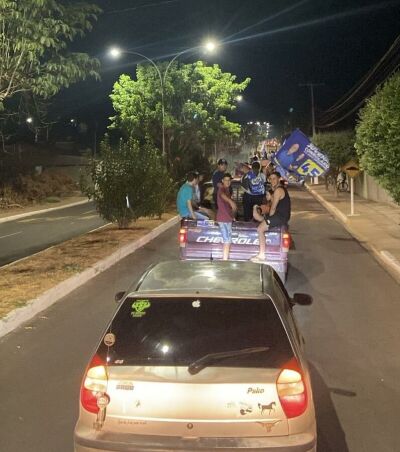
[[119, 296], [301, 299]]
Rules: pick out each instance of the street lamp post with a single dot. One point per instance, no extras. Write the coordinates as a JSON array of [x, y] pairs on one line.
[[209, 46]]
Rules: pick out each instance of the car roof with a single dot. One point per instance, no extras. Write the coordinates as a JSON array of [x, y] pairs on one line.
[[230, 278]]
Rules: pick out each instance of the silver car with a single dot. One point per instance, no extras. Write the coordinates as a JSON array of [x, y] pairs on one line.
[[200, 356]]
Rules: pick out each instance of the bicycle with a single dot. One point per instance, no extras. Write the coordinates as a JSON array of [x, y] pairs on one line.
[[341, 185]]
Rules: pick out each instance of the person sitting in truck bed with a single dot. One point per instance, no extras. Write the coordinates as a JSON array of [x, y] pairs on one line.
[[185, 197], [279, 214], [197, 198]]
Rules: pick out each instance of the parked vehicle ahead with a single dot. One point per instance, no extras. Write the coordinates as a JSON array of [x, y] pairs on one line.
[[200, 356], [202, 239]]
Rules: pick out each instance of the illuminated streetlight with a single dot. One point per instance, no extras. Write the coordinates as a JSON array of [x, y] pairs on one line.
[[115, 52], [210, 46], [29, 120], [239, 98]]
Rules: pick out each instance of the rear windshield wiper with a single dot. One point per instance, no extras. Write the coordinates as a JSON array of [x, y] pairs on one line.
[[198, 365]]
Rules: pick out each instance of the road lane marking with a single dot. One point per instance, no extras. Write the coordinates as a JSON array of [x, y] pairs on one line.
[[88, 217], [89, 211], [43, 219], [9, 235]]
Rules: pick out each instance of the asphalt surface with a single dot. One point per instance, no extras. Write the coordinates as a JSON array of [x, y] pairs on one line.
[[26, 236], [352, 336]]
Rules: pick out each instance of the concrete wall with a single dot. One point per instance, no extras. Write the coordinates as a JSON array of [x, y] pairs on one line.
[[368, 188]]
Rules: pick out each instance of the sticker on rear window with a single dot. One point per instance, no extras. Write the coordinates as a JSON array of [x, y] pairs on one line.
[[109, 339], [139, 308]]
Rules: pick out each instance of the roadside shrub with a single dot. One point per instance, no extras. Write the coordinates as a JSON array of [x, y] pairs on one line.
[[339, 147], [128, 181], [378, 136]]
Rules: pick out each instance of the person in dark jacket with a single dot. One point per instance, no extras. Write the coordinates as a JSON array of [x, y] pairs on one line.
[[254, 186], [217, 178]]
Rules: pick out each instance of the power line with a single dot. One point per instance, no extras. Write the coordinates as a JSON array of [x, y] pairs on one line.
[[393, 49], [343, 108]]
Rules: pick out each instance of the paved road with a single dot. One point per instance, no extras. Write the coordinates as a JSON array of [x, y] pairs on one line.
[[352, 334], [23, 237]]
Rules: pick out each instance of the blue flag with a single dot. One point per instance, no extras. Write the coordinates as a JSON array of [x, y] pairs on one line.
[[298, 155]]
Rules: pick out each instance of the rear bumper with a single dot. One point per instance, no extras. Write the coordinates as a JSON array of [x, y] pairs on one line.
[[145, 443]]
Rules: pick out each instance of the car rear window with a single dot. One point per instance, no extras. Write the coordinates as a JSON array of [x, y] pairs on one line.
[[178, 331]]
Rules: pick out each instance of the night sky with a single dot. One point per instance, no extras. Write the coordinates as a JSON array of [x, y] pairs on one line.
[[278, 43]]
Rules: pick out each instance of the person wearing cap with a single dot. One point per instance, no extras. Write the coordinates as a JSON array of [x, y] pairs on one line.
[[217, 177], [225, 213], [184, 198]]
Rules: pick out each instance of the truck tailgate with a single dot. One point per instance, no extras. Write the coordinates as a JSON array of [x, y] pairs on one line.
[[203, 240]]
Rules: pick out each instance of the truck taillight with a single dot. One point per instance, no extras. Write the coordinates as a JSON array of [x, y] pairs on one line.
[[182, 237], [292, 392], [285, 242], [94, 385]]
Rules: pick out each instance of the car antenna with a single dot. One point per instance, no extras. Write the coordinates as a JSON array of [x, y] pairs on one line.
[[211, 257]]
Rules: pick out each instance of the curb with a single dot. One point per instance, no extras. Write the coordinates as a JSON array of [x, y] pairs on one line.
[[328, 206], [37, 212], [384, 258], [21, 315]]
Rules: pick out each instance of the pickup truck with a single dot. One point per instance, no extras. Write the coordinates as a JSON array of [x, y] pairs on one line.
[[202, 239]]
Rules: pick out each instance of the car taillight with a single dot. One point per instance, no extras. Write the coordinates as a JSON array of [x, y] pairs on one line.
[[182, 236], [94, 385], [285, 242], [292, 392]]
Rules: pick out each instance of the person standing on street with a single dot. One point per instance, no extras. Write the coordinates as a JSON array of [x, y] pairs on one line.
[[217, 178], [279, 214], [226, 213], [254, 185]]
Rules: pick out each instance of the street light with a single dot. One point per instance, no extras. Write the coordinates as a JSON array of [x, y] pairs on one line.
[[210, 46], [29, 120], [116, 52], [239, 98]]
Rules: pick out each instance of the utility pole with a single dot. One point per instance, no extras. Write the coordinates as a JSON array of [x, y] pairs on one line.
[[311, 85]]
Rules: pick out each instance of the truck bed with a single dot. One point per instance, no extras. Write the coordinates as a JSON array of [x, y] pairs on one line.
[[202, 240]]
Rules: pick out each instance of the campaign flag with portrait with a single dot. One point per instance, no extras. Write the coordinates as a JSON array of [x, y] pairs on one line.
[[298, 155]]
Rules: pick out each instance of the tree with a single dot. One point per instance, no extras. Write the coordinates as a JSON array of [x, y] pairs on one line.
[[195, 98], [34, 35], [339, 147], [378, 136], [128, 181]]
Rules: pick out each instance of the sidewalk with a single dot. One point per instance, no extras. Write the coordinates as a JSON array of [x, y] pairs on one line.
[[376, 225]]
